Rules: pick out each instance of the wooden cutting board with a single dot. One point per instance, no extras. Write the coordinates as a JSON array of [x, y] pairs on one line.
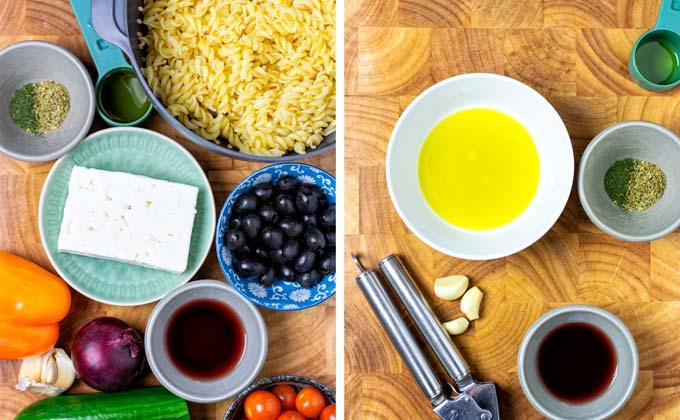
[[575, 53], [301, 343]]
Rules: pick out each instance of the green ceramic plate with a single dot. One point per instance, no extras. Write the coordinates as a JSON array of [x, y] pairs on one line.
[[137, 151]]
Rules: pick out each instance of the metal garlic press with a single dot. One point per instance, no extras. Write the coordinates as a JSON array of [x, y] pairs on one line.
[[471, 400]]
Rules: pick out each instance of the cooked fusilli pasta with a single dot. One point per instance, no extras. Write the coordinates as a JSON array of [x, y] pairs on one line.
[[258, 73]]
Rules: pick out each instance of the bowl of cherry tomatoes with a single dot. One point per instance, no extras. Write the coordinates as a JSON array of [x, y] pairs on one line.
[[284, 397]]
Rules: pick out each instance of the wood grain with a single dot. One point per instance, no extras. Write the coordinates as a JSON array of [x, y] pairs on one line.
[[575, 53], [291, 351]]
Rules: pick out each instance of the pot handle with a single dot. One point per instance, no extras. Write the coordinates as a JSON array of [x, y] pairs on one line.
[[106, 57], [109, 21]]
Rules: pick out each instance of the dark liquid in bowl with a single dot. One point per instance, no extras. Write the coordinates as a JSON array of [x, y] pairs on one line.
[[205, 339], [577, 362]]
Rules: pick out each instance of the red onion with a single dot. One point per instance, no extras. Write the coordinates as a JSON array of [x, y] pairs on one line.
[[108, 354]]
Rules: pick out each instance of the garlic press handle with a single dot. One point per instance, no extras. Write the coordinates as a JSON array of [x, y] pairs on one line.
[[401, 337], [403, 285]]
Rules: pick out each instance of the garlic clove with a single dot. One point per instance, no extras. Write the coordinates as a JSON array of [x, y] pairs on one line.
[[457, 326], [31, 368], [470, 303], [67, 373], [50, 374], [451, 287]]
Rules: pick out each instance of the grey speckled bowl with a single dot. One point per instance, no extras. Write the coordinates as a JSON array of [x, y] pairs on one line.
[[638, 140], [38, 61], [621, 388], [235, 411], [233, 382]]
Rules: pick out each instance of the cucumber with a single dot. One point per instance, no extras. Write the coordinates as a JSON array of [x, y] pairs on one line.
[[155, 403]]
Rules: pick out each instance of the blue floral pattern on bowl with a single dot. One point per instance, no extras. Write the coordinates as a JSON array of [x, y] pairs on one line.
[[282, 295]]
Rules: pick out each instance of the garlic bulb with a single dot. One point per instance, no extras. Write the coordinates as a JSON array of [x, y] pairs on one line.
[[49, 374]]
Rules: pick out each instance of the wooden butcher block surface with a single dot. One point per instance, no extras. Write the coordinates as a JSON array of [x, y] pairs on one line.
[[574, 52], [300, 343]]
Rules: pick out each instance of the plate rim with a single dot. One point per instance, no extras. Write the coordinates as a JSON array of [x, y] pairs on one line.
[[93, 136]]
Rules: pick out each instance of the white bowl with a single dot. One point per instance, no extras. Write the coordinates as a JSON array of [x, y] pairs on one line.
[[491, 91]]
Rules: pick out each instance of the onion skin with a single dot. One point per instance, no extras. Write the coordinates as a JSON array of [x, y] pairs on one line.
[[108, 354]]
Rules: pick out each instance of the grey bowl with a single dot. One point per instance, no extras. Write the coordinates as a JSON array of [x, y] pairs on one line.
[[639, 140], [602, 407], [233, 382], [37, 61], [235, 410]]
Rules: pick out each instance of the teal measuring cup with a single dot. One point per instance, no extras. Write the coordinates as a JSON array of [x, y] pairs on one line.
[[654, 61], [120, 98]]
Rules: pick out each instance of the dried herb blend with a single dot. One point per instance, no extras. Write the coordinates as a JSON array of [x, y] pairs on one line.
[[634, 184], [40, 107]]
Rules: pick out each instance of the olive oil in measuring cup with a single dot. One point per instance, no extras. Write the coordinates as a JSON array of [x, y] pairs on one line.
[[657, 60], [121, 100], [121, 96]]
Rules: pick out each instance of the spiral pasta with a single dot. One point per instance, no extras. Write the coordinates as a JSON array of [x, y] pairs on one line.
[[257, 73]]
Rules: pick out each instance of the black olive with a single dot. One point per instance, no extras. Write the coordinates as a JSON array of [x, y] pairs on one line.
[[291, 249], [285, 204], [252, 225], [307, 200], [309, 219], [261, 252], [235, 239], [305, 261], [287, 183], [328, 217], [264, 191], [314, 239], [268, 278], [309, 279], [236, 222], [268, 214], [291, 227], [246, 250], [330, 237], [327, 263], [249, 268], [245, 203], [287, 273], [272, 237], [276, 256]]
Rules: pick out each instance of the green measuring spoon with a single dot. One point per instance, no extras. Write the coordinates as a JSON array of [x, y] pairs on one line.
[[121, 100], [654, 61]]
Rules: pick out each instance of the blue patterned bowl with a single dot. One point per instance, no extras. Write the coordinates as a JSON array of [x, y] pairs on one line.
[[282, 295]]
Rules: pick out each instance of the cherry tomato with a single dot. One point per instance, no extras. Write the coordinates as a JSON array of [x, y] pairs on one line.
[[310, 402], [291, 415], [262, 405], [328, 413], [286, 395]]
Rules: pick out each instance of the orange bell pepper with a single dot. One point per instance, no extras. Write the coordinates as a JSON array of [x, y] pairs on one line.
[[18, 341], [29, 294], [32, 302]]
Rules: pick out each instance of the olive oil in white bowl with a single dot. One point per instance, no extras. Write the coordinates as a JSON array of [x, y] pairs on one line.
[[478, 169], [504, 232]]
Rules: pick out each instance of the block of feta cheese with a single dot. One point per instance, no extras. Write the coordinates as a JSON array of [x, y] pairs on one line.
[[129, 218]]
